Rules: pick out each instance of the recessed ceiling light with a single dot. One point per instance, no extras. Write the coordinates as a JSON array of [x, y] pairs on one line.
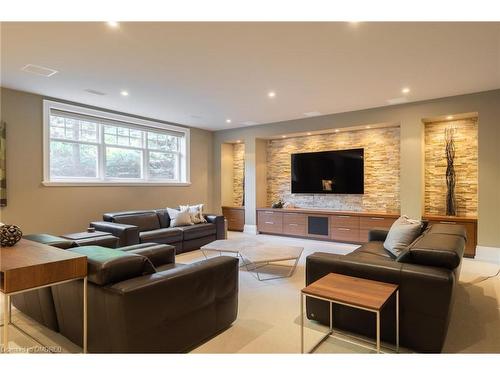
[[113, 24], [449, 117], [271, 94], [309, 133], [124, 93], [336, 130], [405, 90], [238, 141], [283, 136], [368, 127], [228, 120]]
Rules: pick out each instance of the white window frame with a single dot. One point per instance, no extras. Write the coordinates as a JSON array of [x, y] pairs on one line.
[[184, 154]]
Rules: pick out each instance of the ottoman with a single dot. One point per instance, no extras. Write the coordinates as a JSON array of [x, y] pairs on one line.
[[96, 238]]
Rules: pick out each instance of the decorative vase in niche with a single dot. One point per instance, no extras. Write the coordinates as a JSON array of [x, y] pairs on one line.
[[10, 235], [449, 138]]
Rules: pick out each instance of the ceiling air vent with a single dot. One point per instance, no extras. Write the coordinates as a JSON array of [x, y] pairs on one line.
[[248, 123], [39, 70], [95, 92], [312, 114]]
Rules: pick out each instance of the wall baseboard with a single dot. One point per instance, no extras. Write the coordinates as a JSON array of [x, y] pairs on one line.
[[250, 229], [488, 254]]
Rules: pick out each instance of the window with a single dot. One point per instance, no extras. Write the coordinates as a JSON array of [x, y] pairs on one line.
[[84, 146]]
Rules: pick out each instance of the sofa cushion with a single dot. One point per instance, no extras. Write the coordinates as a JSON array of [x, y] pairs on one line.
[[145, 220], [198, 231], [402, 233], [50, 240], [436, 250], [372, 249], [162, 235], [163, 217], [106, 266], [451, 229], [158, 254]]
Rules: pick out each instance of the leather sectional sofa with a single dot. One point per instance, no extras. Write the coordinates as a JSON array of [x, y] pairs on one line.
[[427, 273], [134, 227], [140, 300]]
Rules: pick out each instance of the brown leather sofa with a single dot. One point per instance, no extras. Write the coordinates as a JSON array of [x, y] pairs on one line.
[[427, 273], [140, 300], [133, 227]]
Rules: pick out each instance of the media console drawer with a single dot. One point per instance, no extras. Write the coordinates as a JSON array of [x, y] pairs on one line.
[[270, 222], [294, 224], [344, 234], [345, 221]]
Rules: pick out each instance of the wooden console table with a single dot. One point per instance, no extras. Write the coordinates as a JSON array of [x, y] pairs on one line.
[[340, 226], [470, 224], [30, 265]]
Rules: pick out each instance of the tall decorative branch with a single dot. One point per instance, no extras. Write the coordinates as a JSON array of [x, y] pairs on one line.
[[449, 137]]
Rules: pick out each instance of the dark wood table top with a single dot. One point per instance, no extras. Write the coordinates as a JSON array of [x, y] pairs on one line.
[[354, 291], [30, 264]]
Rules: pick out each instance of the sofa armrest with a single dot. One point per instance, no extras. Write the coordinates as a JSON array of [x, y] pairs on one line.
[[128, 234], [158, 254], [218, 220], [377, 234]]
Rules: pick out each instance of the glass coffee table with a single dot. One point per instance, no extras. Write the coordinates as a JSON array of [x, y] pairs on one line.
[[259, 256], [233, 246]]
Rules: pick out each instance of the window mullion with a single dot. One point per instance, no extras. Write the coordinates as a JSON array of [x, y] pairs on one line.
[[102, 153]]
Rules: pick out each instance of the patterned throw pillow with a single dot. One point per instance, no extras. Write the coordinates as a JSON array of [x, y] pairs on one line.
[[179, 218], [196, 213]]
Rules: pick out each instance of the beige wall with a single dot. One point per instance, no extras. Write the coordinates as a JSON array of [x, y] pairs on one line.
[[59, 210], [381, 167], [410, 117]]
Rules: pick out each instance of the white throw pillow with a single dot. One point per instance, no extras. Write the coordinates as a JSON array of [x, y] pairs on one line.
[[179, 218], [402, 233], [196, 213]]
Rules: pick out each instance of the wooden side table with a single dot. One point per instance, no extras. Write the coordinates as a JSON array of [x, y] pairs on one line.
[[354, 292], [30, 265]]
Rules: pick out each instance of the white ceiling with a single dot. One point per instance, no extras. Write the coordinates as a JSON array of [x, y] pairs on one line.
[[200, 74]]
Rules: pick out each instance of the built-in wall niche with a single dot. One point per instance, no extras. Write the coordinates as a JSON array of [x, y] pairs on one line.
[[382, 160], [465, 139], [233, 174]]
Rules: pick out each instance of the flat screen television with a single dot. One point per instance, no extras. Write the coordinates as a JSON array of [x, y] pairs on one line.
[[328, 172]]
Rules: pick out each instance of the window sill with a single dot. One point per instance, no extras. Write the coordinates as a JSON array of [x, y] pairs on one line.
[[108, 183]]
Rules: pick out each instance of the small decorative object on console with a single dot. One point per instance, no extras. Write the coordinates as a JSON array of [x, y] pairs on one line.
[[10, 235], [278, 204], [288, 205]]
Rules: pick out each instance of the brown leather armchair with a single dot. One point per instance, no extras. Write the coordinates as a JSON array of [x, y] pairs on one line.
[[140, 300]]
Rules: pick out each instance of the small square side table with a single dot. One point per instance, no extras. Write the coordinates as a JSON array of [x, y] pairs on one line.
[[368, 295]]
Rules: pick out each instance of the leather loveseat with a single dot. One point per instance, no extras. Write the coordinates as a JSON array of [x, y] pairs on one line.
[[133, 227], [427, 273], [140, 300]]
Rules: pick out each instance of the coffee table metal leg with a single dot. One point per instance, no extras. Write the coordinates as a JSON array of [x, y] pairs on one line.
[[378, 331]]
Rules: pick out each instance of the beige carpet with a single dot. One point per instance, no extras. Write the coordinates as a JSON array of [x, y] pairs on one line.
[[268, 318]]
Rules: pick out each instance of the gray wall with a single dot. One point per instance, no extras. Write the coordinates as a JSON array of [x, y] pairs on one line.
[[409, 116], [36, 208]]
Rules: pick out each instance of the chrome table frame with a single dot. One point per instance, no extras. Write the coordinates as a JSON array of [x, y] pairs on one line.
[[7, 314], [258, 265], [336, 335]]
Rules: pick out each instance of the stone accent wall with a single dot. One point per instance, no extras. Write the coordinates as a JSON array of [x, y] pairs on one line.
[[381, 151], [466, 162], [238, 173]]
